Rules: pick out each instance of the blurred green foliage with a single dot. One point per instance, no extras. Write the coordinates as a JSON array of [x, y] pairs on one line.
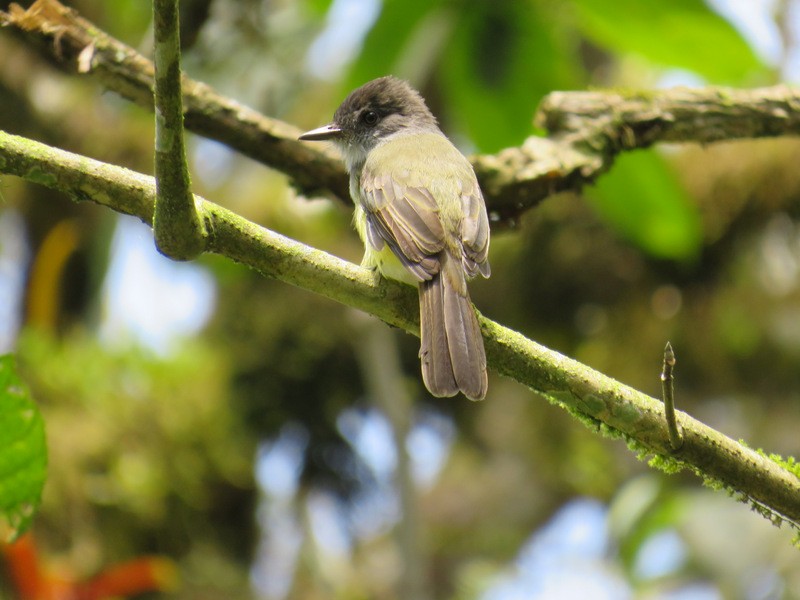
[[695, 245], [150, 444], [23, 454], [491, 61], [644, 201], [684, 34]]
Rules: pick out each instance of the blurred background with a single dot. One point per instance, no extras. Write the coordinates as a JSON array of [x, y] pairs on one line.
[[228, 422]]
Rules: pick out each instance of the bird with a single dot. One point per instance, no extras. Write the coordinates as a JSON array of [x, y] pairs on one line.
[[420, 213]]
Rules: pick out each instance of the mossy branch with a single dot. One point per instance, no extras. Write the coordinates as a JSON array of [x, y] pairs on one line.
[[78, 46], [585, 130], [603, 403], [178, 230]]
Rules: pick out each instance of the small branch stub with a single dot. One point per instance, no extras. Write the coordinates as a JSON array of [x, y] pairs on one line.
[[667, 379]]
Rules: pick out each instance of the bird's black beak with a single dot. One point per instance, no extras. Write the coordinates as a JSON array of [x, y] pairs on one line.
[[327, 132]]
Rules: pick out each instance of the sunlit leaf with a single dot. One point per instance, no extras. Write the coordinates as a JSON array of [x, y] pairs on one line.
[[502, 59], [23, 456], [642, 199], [679, 33]]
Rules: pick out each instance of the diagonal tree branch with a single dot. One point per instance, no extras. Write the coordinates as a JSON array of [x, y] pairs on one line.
[[80, 47], [605, 404], [586, 130]]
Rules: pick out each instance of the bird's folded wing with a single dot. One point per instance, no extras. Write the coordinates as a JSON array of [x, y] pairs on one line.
[[474, 230], [407, 219]]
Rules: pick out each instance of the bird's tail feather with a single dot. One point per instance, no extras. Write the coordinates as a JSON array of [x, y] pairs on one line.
[[451, 350]]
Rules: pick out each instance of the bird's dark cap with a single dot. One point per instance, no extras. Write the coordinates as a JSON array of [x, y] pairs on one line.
[[385, 95]]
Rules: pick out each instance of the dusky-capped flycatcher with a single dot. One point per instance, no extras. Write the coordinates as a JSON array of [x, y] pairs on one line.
[[417, 200]]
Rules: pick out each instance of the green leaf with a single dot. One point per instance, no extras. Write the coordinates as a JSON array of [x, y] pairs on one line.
[[23, 454], [643, 200], [679, 33], [504, 56]]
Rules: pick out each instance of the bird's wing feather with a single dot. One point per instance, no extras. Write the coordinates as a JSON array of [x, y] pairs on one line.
[[402, 211], [407, 219], [474, 230]]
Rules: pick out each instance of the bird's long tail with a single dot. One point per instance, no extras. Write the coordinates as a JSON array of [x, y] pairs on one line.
[[451, 350]]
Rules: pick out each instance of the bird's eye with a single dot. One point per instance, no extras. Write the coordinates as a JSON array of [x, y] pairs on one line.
[[370, 117]]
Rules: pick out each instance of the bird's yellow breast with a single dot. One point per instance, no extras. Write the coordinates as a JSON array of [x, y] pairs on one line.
[[384, 259]]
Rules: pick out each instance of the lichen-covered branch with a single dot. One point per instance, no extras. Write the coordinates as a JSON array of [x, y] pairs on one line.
[[612, 122], [77, 45], [585, 130], [598, 400]]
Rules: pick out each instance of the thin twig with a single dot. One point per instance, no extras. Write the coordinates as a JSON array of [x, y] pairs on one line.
[[667, 379], [178, 230]]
